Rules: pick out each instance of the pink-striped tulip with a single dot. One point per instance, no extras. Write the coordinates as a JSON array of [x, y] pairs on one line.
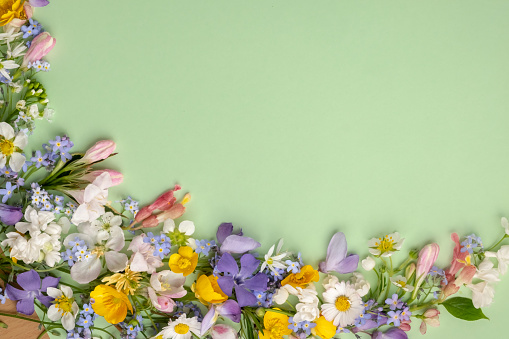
[[41, 45], [100, 151], [116, 177], [427, 257]]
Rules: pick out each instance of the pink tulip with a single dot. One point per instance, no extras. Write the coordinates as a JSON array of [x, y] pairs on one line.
[[100, 151], [173, 213], [221, 331], [116, 177], [427, 257], [430, 317], [164, 202], [458, 258], [41, 45]]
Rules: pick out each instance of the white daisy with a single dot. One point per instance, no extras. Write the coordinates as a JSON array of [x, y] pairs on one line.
[[401, 282], [342, 304], [64, 307], [385, 246], [182, 328], [11, 145], [274, 261]]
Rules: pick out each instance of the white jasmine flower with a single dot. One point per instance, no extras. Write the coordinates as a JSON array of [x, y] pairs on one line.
[[482, 294], [274, 261], [385, 246], [502, 256], [64, 307], [401, 282], [360, 284], [182, 328], [37, 221], [11, 145], [307, 308], [342, 304], [368, 264], [92, 200]]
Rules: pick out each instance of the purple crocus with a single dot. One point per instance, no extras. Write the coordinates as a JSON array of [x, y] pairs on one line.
[[10, 215], [242, 280], [392, 333], [337, 259], [229, 309], [32, 288], [234, 243]]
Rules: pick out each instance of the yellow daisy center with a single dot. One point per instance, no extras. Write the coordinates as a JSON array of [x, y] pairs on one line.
[[63, 303], [7, 147], [342, 303], [181, 328], [385, 244]]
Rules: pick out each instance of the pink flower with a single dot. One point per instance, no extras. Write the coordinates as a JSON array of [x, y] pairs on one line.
[[427, 257], [430, 317], [143, 258], [163, 202], [221, 331], [116, 177], [458, 258], [41, 45], [100, 151], [164, 287], [405, 325]]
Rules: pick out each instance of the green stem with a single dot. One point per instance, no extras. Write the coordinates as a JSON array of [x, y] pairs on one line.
[[498, 243]]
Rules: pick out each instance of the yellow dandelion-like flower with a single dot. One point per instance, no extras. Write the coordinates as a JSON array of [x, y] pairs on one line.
[[10, 10], [126, 282]]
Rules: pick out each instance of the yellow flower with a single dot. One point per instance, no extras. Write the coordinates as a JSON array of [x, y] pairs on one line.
[[184, 262], [10, 10], [275, 326], [306, 275], [110, 303], [126, 282], [324, 329], [208, 291]]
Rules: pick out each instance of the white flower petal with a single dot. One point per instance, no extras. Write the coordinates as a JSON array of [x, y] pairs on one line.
[[115, 261], [68, 321], [17, 161], [169, 225], [21, 140], [53, 313], [6, 130]]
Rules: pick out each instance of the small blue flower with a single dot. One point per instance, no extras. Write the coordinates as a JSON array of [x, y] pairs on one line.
[[294, 326], [394, 302], [87, 309], [7, 191], [68, 255], [405, 314], [342, 330], [85, 321], [394, 318], [161, 250], [293, 266]]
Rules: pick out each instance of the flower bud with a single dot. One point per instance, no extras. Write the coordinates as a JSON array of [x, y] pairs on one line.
[[100, 151], [409, 272], [221, 331], [368, 264], [427, 257], [41, 45], [430, 317]]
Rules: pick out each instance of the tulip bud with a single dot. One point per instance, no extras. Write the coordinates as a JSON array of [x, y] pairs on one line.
[[368, 264], [41, 45], [409, 272], [427, 257], [100, 151]]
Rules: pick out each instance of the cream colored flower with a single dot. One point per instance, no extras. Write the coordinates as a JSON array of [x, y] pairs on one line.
[[11, 145]]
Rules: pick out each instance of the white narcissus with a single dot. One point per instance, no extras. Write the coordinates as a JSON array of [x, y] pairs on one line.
[[91, 200], [274, 261], [11, 145], [64, 307]]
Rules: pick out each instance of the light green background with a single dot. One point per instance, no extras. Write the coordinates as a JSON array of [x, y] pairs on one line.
[[297, 119]]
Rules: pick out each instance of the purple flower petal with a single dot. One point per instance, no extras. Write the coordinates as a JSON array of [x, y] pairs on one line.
[[257, 283], [30, 281], [10, 215], [208, 320], [336, 254], [26, 306], [16, 294], [392, 333], [368, 325], [38, 3], [348, 265], [238, 244], [228, 265], [248, 264], [49, 282], [244, 297], [46, 300], [223, 231], [226, 285], [230, 309]]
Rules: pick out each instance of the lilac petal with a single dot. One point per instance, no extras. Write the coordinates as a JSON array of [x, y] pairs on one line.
[[38, 3], [257, 283], [348, 265], [30, 281], [336, 252], [226, 285], [10, 215], [223, 231], [368, 325], [46, 300], [377, 335], [49, 282], [228, 265], [16, 294], [238, 244], [244, 297], [394, 333], [208, 320], [248, 264], [230, 309], [26, 306]]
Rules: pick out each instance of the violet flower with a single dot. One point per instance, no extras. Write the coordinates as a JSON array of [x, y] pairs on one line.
[[229, 309], [392, 333], [10, 215], [337, 260], [32, 288], [242, 280], [234, 243]]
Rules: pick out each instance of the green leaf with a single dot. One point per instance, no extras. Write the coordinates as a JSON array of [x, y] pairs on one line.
[[463, 308], [3, 325]]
